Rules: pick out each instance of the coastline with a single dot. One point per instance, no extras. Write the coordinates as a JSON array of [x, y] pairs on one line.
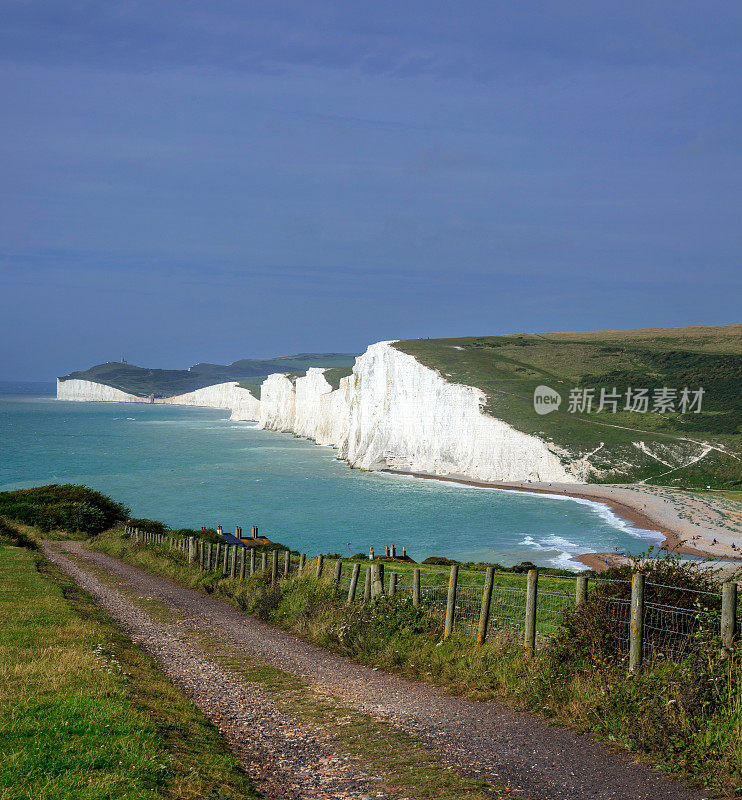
[[694, 523], [651, 508]]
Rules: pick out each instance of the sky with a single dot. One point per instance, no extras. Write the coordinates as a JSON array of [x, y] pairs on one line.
[[208, 181]]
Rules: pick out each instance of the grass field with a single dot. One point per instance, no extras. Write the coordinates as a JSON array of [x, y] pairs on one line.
[[629, 446], [84, 713]]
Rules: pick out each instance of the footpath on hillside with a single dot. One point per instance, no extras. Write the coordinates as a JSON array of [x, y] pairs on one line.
[[260, 686]]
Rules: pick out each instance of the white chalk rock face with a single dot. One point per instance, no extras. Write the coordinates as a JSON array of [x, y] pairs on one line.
[[277, 403], [406, 416], [229, 395], [393, 412], [75, 389]]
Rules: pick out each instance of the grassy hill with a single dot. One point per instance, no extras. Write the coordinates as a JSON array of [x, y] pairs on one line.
[[687, 449], [142, 381]]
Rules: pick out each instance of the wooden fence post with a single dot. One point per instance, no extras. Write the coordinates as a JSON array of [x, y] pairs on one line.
[[225, 558], [263, 561], [636, 627], [416, 587], [338, 572], [243, 556], [367, 585], [581, 591], [451, 602], [320, 564], [252, 560], [484, 612], [377, 579], [286, 563], [392, 584], [728, 616], [353, 583], [302, 562], [529, 634], [274, 568], [233, 568]]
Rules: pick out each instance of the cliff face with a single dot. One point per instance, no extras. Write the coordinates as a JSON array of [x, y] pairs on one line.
[[391, 412], [75, 389], [222, 395]]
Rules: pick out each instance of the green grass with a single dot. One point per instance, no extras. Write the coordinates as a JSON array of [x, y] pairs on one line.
[[84, 713], [508, 369]]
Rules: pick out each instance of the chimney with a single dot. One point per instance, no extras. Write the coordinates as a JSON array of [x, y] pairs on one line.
[[219, 530], [386, 551], [404, 552], [394, 551], [371, 553], [254, 531], [238, 532]]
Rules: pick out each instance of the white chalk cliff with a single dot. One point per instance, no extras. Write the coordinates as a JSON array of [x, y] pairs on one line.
[[222, 395], [391, 412], [75, 389]]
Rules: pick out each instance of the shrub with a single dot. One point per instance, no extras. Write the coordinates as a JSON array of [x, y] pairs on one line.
[[440, 561], [62, 506], [598, 630]]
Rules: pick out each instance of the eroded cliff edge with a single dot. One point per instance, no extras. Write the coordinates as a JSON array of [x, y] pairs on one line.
[[391, 412]]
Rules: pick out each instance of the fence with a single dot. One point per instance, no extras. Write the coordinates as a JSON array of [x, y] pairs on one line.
[[639, 631]]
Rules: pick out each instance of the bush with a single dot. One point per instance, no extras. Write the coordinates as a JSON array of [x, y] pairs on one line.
[[440, 561], [597, 632], [62, 507]]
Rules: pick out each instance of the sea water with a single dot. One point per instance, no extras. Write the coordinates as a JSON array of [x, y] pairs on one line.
[[191, 467]]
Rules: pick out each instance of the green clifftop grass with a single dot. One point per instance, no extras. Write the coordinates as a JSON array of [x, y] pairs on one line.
[[142, 381], [508, 369], [85, 714]]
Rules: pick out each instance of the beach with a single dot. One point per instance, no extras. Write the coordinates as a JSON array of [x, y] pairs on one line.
[[702, 524]]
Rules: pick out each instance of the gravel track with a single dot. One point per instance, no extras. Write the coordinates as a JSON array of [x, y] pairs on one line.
[[283, 759], [483, 738]]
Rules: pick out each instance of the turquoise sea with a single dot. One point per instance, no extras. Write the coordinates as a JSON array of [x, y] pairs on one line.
[[191, 467]]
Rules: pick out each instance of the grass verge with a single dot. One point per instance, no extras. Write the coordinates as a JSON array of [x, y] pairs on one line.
[[84, 712]]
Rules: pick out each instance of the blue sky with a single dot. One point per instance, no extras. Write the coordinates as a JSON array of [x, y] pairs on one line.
[[206, 181]]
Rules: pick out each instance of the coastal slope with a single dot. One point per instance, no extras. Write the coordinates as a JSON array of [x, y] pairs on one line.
[[465, 407]]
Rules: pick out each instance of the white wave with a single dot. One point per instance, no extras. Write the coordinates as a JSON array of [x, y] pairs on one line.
[[566, 560], [529, 541], [559, 541]]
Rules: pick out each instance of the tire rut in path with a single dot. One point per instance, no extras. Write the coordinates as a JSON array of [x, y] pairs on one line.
[[485, 738]]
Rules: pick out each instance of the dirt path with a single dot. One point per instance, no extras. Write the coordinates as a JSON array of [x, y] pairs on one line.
[[487, 739]]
